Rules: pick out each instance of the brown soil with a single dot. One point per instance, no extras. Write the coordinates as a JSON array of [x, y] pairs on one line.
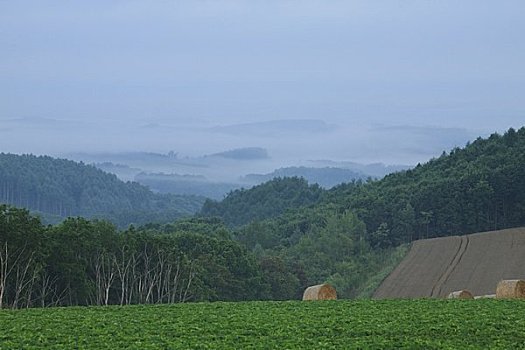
[[436, 267]]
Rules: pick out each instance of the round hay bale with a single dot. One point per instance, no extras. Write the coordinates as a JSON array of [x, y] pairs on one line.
[[320, 292], [511, 289], [460, 294]]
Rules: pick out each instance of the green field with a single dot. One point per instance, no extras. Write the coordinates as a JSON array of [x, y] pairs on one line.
[[417, 324]]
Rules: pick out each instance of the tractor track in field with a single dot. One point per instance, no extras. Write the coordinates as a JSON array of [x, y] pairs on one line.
[[436, 289]]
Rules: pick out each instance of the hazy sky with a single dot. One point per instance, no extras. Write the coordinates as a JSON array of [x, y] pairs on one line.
[[372, 80]]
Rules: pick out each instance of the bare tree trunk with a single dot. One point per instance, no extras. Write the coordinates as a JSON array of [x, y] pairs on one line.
[[98, 278], [30, 290], [162, 263], [134, 277], [6, 268], [175, 283], [151, 282], [46, 289], [108, 274], [4, 272], [123, 270], [190, 279], [20, 281], [144, 277]]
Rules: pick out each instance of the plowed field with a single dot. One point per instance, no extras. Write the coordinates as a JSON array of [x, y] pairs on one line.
[[477, 262]]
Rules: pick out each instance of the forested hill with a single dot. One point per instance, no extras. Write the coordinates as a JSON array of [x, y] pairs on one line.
[[263, 201], [354, 234], [61, 188], [480, 187]]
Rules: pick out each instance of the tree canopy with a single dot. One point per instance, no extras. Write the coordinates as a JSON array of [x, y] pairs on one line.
[[267, 200], [58, 188]]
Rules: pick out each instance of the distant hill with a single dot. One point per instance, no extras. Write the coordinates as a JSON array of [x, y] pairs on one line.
[[248, 153], [216, 174], [263, 201], [478, 188], [354, 233], [376, 170], [59, 188], [186, 185], [325, 177], [123, 172], [127, 157], [202, 186]]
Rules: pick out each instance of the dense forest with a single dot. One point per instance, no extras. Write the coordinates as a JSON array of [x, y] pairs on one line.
[[478, 188], [355, 232], [268, 242], [81, 262], [263, 201], [60, 188]]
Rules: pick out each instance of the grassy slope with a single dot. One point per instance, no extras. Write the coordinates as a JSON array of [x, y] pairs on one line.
[[425, 324], [390, 263]]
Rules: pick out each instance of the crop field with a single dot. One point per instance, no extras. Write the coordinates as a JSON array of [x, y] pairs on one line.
[[476, 262], [414, 324]]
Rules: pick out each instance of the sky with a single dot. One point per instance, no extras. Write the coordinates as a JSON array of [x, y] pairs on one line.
[[395, 81]]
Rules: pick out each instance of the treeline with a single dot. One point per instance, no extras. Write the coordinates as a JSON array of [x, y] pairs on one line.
[[81, 262], [62, 188], [267, 200]]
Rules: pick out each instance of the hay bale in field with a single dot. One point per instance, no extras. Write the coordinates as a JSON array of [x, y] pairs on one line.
[[460, 294], [320, 292], [511, 289]]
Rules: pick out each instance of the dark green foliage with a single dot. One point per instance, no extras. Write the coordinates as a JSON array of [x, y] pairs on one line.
[[478, 188], [263, 201], [288, 235], [59, 188], [23, 250], [312, 246], [347, 236], [205, 226], [391, 324], [283, 283], [82, 262]]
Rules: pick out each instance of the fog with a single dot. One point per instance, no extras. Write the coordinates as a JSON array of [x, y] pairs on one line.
[[395, 82]]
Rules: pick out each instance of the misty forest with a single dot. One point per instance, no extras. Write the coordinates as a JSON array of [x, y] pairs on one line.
[[72, 234], [271, 174]]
